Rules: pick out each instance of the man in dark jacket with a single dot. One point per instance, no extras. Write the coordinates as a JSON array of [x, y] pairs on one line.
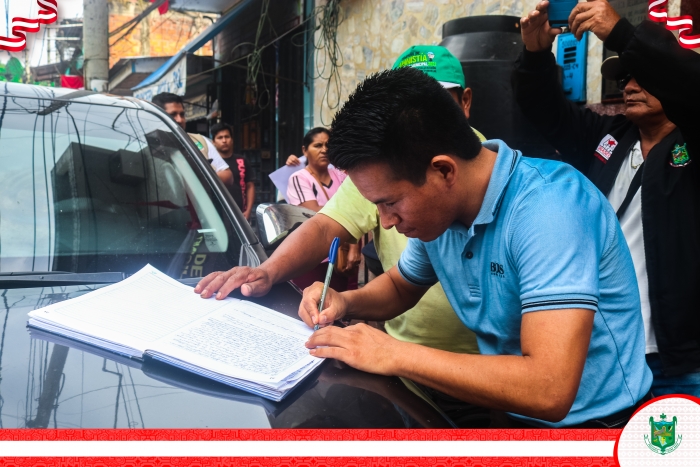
[[653, 146]]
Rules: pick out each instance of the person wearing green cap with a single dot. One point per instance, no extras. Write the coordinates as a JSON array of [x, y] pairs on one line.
[[348, 215], [439, 63]]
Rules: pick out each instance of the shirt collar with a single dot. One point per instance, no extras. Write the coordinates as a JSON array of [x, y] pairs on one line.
[[505, 164]]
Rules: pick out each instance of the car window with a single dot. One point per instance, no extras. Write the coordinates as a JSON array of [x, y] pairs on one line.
[[94, 188]]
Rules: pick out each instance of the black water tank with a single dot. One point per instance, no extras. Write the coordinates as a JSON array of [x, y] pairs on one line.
[[487, 47]]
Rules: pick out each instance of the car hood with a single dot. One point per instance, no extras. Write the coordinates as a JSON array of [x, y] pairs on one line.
[[48, 381]]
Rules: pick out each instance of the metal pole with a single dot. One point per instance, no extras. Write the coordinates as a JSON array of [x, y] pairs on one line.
[[96, 44], [309, 66], [277, 105]]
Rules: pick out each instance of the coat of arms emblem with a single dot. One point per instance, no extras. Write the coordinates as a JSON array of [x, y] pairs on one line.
[[679, 155], [663, 439]]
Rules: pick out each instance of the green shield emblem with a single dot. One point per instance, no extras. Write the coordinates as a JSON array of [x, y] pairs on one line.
[[662, 439], [680, 156]]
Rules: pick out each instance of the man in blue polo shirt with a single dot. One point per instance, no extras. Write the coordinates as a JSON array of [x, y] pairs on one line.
[[529, 252]]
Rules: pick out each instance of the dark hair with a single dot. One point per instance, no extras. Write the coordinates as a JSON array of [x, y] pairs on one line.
[[460, 92], [167, 98], [219, 127], [403, 118], [311, 134]]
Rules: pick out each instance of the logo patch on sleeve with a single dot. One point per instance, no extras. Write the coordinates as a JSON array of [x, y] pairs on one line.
[[605, 148]]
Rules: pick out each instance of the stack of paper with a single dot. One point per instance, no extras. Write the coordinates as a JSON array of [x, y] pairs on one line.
[[236, 342]]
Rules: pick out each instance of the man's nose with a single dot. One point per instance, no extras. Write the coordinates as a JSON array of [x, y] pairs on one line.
[[388, 219], [632, 86]]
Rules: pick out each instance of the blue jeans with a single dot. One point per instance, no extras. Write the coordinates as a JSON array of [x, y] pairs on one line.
[[688, 383]]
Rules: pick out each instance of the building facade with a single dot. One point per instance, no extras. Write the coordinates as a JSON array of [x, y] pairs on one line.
[[372, 34]]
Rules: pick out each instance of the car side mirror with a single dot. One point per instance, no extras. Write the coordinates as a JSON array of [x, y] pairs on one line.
[[277, 221]]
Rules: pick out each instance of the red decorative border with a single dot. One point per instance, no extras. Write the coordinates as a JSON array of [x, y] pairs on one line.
[[312, 461], [306, 435]]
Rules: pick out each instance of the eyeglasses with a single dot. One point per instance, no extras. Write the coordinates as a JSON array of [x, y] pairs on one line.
[[622, 83]]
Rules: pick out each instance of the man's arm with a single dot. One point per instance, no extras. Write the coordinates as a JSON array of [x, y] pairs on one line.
[[219, 164], [305, 248], [542, 383], [250, 198], [225, 176], [311, 204], [354, 257], [573, 131], [382, 299], [655, 59]]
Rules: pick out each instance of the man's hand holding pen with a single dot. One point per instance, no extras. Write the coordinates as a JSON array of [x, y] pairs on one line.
[[333, 306], [360, 346]]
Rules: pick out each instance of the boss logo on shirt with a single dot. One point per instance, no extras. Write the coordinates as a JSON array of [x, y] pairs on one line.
[[497, 270]]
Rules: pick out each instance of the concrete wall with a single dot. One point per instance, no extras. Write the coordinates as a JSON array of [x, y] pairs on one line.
[[158, 35], [374, 33]]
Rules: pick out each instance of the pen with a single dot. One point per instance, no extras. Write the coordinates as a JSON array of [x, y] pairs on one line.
[[332, 257]]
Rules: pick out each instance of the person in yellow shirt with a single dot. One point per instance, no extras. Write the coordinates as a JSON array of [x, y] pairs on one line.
[[349, 216]]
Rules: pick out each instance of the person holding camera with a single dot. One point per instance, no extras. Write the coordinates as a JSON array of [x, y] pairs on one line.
[[642, 161]]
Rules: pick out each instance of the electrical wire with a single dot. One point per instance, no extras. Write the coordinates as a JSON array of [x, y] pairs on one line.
[[137, 19], [327, 46], [245, 57], [255, 66], [330, 17]]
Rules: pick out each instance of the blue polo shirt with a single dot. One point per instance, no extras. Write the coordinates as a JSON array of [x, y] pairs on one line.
[[545, 238]]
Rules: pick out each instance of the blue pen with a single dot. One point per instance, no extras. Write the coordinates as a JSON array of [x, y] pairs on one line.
[[332, 257]]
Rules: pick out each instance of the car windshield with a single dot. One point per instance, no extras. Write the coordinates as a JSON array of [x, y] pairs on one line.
[[96, 188]]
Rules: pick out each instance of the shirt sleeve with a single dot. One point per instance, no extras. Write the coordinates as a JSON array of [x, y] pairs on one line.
[[299, 190], [557, 241], [350, 209], [218, 163], [415, 266]]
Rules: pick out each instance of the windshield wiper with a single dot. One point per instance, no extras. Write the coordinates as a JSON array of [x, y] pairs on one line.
[[14, 280]]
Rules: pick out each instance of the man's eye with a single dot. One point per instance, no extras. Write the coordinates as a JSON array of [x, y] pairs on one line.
[[389, 204]]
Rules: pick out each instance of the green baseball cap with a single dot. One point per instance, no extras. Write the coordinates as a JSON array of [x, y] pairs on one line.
[[435, 61]]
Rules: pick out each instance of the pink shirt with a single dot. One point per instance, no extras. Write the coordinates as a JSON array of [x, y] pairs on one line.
[[304, 187]]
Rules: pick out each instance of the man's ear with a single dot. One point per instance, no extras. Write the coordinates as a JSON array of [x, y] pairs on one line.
[[445, 168], [467, 101]]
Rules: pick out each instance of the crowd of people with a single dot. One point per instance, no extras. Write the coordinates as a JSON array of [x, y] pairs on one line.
[[232, 169], [557, 293]]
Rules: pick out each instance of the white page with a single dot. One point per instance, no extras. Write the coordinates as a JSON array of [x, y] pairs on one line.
[[245, 341], [134, 312], [280, 177]]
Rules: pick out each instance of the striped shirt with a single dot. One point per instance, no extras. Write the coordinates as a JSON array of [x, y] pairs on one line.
[[304, 187]]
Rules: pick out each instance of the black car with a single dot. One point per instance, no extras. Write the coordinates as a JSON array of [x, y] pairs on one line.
[[92, 188]]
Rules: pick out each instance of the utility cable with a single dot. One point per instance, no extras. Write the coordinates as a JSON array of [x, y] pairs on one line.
[[137, 19]]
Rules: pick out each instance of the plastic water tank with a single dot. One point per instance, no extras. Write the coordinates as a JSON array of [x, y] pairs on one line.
[[487, 47]]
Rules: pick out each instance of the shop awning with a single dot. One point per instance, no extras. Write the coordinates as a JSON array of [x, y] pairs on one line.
[[195, 44]]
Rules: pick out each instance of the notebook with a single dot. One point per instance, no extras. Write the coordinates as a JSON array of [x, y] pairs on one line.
[[183, 379], [235, 342]]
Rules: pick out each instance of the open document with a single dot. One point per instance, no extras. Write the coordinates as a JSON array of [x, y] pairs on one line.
[[232, 341]]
